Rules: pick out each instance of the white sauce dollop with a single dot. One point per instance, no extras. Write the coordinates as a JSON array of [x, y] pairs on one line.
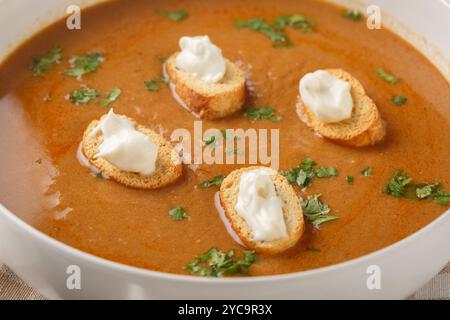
[[201, 58], [326, 96], [125, 147], [260, 206]]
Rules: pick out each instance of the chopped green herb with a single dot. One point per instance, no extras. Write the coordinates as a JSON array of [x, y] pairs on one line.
[[304, 178], [304, 174], [152, 85], [326, 172], [41, 64], [262, 113], [367, 172], [111, 97], [83, 96], [442, 197], [307, 164], [210, 140], [296, 21], [386, 76], [216, 181], [215, 263], [349, 179], [174, 15], [399, 100], [353, 15], [397, 185], [81, 65], [178, 214], [277, 36], [315, 211], [424, 191], [99, 176]]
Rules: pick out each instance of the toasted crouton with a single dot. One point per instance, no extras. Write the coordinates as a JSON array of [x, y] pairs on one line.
[[168, 163], [292, 212], [365, 127], [209, 100]]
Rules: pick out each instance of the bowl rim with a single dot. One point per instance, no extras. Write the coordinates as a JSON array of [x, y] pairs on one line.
[[137, 271]]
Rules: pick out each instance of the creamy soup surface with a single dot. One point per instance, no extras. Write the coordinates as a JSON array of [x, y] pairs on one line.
[[45, 185]]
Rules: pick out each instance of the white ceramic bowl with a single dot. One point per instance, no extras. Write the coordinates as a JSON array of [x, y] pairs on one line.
[[405, 266]]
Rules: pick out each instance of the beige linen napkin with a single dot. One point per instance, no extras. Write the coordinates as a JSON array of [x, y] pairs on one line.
[[13, 288]]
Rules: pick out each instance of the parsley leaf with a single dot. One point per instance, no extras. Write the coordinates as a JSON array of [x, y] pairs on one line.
[[424, 191], [263, 113], [315, 211], [399, 100], [83, 96], [386, 76], [353, 15], [43, 63], [349, 179], [178, 214], [216, 181], [81, 65], [307, 164], [210, 140], [296, 21], [326, 172], [215, 263], [367, 172], [152, 85], [397, 185], [305, 172], [277, 36], [442, 197], [174, 15], [304, 178], [112, 96]]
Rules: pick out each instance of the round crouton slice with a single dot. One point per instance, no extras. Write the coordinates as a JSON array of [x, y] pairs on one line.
[[292, 212], [364, 128], [168, 162], [209, 100]]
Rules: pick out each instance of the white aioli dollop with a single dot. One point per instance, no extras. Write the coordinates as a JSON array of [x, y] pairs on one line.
[[125, 147], [260, 206], [326, 96], [201, 58]]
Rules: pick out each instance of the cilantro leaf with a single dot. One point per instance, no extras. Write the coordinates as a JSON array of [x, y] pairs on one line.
[[216, 181], [83, 96], [353, 15], [349, 179], [262, 113], [367, 172], [152, 85], [215, 263], [210, 140], [326, 172], [307, 164], [43, 63], [174, 15], [81, 65], [386, 76], [424, 191], [399, 100], [315, 211], [178, 214], [112, 96], [296, 21], [441, 197], [397, 185], [277, 36]]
